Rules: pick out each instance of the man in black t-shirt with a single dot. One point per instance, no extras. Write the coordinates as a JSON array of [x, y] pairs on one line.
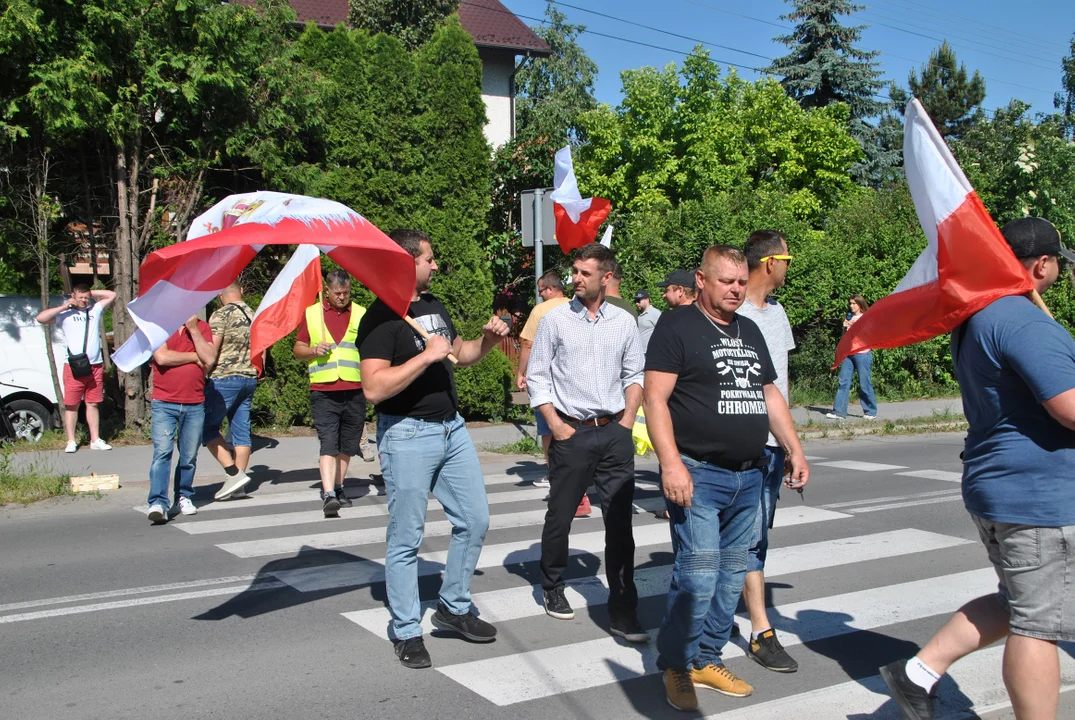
[[711, 399], [424, 447]]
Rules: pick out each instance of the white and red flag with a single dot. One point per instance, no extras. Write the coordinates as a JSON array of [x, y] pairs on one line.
[[178, 281], [284, 304], [966, 265], [577, 219]]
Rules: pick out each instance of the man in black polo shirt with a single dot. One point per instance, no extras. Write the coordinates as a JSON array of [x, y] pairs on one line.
[[711, 399]]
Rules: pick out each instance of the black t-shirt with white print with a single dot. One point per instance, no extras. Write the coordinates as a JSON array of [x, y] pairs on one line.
[[717, 406], [384, 335]]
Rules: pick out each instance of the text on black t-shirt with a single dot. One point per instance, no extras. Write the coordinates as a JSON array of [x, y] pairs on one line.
[[718, 405], [384, 335]]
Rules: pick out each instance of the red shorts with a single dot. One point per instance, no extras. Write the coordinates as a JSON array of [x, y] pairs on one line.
[[91, 387]]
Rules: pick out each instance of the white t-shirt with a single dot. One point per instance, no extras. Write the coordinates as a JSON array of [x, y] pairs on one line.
[[73, 325], [775, 328]]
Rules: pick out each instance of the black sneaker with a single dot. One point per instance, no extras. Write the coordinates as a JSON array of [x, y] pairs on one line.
[[412, 653], [736, 632], [470, 626], [626, 626], [341, 495], [770, 654], [557, 606], [916, 703], [331, 505]]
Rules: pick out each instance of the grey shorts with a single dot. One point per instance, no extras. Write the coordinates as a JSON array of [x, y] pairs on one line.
[[1036, 567]]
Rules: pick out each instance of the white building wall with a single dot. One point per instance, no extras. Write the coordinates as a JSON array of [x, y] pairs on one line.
[[497, 67]]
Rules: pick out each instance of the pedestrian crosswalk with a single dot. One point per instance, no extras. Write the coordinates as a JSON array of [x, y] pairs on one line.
[[537, 658]]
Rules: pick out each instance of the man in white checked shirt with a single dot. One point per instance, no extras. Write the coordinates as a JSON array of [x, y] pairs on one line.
[[585, 378]]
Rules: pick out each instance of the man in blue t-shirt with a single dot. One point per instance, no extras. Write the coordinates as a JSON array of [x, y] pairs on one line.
[[1016, 371]]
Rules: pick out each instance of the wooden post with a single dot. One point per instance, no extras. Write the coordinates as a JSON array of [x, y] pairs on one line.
[[422, 331]]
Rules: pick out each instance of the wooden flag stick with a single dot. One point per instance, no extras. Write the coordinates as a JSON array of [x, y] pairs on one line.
[[422, 331], [321, 308], [1035, 297]]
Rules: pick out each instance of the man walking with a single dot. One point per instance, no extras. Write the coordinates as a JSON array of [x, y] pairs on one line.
[[230, 390], [710, 401], [767, 261], [81, 326], [647, 317], [678, 288], [326, 340], [1016, 372], [585, 377], [551, 289], [177, 411], [424, 447]]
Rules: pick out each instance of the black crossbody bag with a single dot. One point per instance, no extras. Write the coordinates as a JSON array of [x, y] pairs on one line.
[[80, 362]]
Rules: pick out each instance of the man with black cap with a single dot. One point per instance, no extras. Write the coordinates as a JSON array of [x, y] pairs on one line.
[[1016, 371], [647, 317], [678, 288]]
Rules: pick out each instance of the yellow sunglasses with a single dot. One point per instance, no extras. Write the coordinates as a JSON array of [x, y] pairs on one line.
[[785, 258]]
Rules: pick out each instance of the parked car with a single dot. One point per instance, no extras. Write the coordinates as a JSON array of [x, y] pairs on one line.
[[26, 386]]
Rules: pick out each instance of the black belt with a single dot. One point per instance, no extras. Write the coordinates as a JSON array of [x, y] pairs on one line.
[[761, 462], [599, 421]]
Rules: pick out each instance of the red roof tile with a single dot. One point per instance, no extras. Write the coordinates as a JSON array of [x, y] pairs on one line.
[[488, 22]]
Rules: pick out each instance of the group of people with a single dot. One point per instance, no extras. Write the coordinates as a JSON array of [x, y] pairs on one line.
[[712, 376]]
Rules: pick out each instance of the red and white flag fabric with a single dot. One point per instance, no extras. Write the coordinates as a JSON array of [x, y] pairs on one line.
[[966, 265], [178, 281], [577, 219], [284, 304]]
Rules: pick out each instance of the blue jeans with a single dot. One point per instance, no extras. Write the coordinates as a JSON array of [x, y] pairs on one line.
[[229, 397], [852, 364], [710, 540], [172, 422], [763, 520], [419, 457]]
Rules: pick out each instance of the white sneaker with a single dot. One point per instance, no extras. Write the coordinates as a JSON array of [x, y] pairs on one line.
[[231, 485], [542, 482], [100, 444], [869, 417], [834, 416], [238, 494], [186, 507], [71, 447], [157, 514]]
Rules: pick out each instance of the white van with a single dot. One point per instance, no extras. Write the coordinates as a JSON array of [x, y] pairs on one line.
[[25, 378]]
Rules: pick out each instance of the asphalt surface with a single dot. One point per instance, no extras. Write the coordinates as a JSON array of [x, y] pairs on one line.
[[261, 608]]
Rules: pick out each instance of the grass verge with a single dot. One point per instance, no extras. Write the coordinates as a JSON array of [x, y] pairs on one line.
[[31, 483], [522, 446]]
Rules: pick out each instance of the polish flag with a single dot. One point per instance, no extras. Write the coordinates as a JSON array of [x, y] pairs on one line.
[[284, 304], [966, 265], [577, 219], [179, 280]]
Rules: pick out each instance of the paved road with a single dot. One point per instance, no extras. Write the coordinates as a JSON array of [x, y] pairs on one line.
[[262, 608]]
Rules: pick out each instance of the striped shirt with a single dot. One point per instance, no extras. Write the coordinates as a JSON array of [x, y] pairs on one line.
[[583, 365]]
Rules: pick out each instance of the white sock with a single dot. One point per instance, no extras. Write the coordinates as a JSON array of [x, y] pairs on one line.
[[921, 674], [754, 635]]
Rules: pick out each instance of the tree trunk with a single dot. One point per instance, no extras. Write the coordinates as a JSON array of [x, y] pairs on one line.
[[89, 219], [125, 276]]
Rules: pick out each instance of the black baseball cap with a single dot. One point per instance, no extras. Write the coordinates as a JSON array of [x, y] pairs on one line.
[[641, 295], [681, 277], [1034, 237]]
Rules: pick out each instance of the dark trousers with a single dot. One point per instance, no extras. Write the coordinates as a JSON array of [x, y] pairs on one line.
[[604, 456], [339, 416]]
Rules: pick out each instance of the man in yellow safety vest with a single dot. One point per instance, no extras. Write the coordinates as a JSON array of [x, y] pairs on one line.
[[326, 341]]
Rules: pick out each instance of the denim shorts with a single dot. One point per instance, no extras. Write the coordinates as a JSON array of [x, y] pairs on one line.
[[229, 397], [1035, 566], [542, 426]]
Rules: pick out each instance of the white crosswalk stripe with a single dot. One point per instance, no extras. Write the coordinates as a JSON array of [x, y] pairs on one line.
[[578, 657]]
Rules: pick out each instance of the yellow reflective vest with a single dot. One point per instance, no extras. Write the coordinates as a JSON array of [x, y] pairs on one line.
[[641, 434], [342, 362]]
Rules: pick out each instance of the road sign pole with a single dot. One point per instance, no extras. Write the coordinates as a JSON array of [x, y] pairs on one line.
[[539, 251]]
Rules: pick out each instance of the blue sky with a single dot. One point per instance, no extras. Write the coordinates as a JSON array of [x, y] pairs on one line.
[[1016, 45]]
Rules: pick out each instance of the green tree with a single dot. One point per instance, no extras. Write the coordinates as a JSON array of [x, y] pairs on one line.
[[825, 66], [951, 97], [552, 92], [412, 21], [1065, 99]]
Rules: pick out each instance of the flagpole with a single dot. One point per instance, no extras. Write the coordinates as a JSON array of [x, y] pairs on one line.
[[1035, 297], [422, 331]]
